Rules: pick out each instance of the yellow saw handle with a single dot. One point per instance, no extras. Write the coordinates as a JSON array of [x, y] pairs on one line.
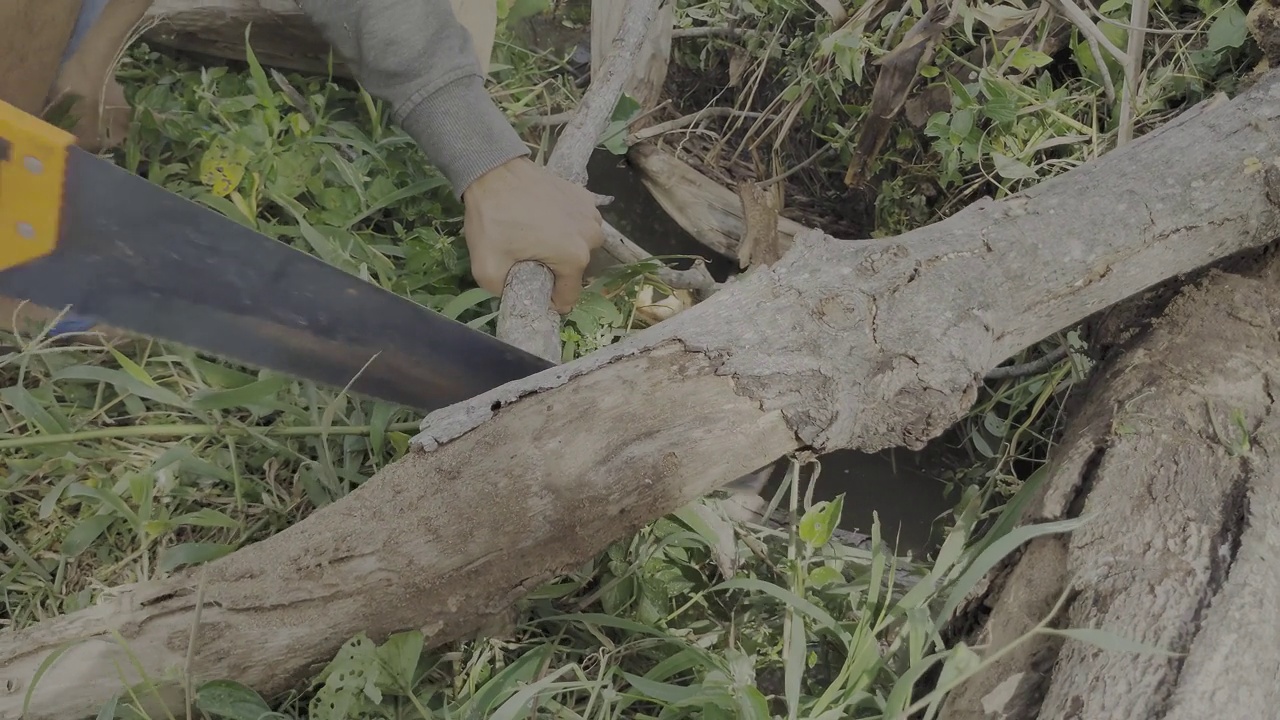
[[33, 167]]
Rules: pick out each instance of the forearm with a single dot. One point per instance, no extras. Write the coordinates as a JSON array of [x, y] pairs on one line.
[[415, 56]]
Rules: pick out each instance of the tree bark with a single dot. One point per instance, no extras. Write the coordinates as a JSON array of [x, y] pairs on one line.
[[282, 36], [842, 344], [649, 74], [1174, 462]]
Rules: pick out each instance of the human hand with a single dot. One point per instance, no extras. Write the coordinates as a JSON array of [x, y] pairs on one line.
[[521, 211]]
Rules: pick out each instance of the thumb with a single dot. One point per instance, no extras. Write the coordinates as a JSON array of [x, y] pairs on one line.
[[490, 271]]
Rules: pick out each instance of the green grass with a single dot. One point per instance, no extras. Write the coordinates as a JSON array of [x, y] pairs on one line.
[[122, 463]]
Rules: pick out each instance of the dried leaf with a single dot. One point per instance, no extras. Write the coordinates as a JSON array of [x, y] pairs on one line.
[[1002, 17], [899, 69], [655, 311], [835, 10]]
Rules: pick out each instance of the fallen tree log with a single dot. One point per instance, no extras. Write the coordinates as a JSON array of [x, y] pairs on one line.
[[841, 344], [282, 34], [1174, 463]]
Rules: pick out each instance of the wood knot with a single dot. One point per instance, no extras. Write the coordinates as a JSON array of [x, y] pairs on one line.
[[879, 261], [668, 465]]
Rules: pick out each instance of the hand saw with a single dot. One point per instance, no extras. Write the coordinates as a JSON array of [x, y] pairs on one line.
[[77, 230]]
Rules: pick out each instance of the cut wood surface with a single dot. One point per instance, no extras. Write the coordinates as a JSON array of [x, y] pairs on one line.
[[707, 210], [841, 344], [649, 73], [1173, 463]]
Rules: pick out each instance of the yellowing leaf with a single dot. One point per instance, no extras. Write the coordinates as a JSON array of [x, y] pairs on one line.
[[222, 167]]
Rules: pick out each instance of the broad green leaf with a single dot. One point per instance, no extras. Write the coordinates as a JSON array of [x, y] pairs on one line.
[[1011, 168], [1228, 29], [962, 122], [1024, 58], [232, 701], [134, 369], [961, 662], [751, 704], [820, 521], [400, 655], [824, 575], [904, 686], [520, 9]]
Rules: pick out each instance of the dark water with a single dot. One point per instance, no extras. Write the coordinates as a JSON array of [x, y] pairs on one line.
[[905, 488]]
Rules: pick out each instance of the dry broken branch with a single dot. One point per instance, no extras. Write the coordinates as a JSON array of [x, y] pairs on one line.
[[708, 211], [841, 344]]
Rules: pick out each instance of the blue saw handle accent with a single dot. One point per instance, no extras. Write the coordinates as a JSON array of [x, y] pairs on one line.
[[90, 11], [71, 324]]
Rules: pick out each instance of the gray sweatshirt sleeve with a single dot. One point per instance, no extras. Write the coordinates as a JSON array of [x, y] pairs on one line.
[[415, 56]]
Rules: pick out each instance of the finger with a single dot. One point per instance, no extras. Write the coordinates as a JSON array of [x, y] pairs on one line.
[[565, 293], [595, 237], [568, 273]]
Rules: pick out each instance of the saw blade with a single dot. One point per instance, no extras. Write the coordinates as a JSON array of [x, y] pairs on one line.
[[142, 259]]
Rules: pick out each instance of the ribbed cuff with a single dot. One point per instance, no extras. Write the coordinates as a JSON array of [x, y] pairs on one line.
[[463, 132]]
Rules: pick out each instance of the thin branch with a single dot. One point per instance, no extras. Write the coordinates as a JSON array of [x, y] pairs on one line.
[[1132, 70], [687, 120], [1081, 20], [1108, 85], [709, 31], [696, 278], [803, 164], [551, 120], [1034, 367], [1150, 31]]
